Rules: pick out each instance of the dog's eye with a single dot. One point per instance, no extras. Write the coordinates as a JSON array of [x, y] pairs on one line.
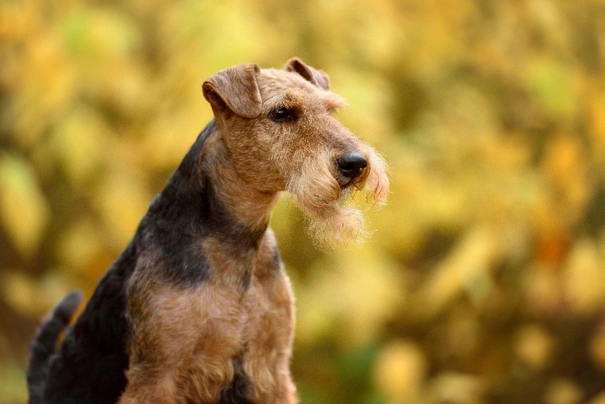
[[282, 114]]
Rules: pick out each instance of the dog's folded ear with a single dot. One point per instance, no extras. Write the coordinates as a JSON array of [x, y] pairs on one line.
[[234, 90], [319, 78]]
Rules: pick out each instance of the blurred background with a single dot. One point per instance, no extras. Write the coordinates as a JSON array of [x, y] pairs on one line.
[[484, 280]]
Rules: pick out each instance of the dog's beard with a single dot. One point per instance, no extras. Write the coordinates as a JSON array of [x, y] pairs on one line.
[[324, 201]]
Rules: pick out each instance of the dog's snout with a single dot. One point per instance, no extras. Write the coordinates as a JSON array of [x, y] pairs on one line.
[[352, 164]]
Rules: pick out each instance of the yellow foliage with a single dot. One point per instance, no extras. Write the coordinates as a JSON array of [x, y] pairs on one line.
[[30, 296], [122, 200], [534, 346], [464, 270], [79, 244], [23, 208], [330, 299], [584, 277], [79, 144], [563, 391], [483, 280], [20, 292], [600, 399], [399, 371], [597, 347], [454, 387]]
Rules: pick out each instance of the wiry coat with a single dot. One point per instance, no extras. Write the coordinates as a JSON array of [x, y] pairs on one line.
[[198, 307], [91, 363], [212, 322]]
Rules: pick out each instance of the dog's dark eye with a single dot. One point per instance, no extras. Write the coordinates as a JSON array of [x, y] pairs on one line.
[[282, 114]]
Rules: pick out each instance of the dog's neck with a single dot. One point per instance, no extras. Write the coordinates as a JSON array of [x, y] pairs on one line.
[[246, 204], [207, 195]]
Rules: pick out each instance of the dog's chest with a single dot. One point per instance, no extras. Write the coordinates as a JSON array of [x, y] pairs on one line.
[[258, 319], [221, 332], [250, 299], [250, 332], [246, 341]]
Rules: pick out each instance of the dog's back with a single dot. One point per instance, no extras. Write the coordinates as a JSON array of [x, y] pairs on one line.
[[90, 365]]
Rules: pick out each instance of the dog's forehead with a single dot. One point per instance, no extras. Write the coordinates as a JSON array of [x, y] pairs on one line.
[[273, 80], [279, 86]]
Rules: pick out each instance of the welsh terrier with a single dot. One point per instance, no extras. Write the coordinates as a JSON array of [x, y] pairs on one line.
[[198, 308]]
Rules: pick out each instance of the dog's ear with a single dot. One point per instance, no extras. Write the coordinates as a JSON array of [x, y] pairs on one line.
[[234, 90], [317, 77]]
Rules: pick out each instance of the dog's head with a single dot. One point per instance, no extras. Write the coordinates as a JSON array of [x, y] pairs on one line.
[[281, 133]]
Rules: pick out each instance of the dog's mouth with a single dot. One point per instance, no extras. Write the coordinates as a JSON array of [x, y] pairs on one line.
[[344, 183]]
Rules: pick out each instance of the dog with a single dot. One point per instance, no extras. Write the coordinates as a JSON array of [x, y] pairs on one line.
[[198, 308]]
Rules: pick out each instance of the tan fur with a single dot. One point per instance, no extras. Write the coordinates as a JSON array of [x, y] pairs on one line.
[[204, 328], [269, 328], [303, 155], [184, 339]]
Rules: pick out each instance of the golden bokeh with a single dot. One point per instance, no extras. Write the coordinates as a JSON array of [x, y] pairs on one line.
[[484, 278]]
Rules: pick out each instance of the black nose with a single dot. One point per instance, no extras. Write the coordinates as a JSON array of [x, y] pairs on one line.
[[352, 164]]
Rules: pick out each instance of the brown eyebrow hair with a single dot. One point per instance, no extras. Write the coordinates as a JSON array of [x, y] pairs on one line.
[[333, 101]]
